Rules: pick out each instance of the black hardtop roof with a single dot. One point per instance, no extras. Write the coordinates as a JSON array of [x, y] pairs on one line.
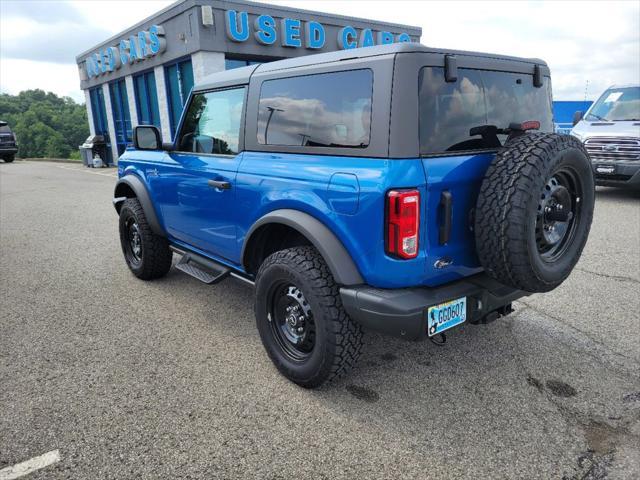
[[243, 74]]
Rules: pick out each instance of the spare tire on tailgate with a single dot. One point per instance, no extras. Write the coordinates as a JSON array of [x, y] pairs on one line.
[[534, 211]]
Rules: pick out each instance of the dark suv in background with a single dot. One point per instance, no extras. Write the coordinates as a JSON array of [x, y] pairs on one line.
[[8, 143]]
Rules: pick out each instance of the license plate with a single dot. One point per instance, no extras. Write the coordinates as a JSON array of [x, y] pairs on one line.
[[606, 169], [446, 315]]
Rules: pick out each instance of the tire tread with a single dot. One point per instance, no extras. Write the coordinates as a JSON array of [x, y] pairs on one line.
[[501, 216]]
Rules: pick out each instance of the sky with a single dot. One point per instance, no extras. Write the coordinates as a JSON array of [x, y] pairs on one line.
[[589, 45]]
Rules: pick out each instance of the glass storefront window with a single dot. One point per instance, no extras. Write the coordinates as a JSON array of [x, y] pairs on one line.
[[179, 80], [147, 99]]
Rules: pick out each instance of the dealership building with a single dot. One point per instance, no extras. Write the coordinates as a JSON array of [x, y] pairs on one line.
[[143, 75]]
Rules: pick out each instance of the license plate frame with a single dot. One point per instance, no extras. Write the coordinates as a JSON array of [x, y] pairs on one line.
[[446, 315]]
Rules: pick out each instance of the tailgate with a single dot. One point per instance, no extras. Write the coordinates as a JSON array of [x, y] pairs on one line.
[[460, 177]]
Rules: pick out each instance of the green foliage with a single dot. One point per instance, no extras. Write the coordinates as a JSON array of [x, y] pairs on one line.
[[45, 124]]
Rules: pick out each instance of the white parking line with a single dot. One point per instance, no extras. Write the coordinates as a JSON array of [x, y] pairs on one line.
[[82, 170], [25, 468]]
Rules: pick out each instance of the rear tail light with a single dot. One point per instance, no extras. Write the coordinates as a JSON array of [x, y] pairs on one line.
[[403, 221]]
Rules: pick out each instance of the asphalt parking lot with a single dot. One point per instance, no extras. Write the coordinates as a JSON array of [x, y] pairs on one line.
[[168, 379]]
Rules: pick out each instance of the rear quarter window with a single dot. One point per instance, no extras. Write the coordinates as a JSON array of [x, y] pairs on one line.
[[448, 110], [322, 110]]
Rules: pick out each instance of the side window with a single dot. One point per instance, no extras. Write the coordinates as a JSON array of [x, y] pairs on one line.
[[323, 110], [212, 123]]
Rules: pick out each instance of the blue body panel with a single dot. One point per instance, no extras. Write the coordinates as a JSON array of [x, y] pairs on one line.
[[347, 194], [193, 212]]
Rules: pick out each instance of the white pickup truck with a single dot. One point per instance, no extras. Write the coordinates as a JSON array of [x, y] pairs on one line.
[[610, 131]]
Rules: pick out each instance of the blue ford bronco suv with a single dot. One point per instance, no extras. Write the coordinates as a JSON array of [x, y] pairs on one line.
[[396, 188]]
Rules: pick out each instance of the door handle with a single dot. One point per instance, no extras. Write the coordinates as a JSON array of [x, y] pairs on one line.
[[446, 210], [219, 184]]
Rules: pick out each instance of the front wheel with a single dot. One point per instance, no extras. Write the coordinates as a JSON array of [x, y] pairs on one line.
[[9, 158], [148, 255], [300, 318]]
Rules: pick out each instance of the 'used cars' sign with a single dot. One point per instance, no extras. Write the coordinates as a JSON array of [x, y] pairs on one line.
[[136, 48], [295, 33]]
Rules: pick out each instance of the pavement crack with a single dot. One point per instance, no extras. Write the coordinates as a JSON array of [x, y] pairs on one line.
[[620, 278], [582, 332]]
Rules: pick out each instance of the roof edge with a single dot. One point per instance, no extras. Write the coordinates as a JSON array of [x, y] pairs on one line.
[[182, 5]]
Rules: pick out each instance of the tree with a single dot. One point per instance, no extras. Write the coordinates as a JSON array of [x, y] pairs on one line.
[[45, 124]]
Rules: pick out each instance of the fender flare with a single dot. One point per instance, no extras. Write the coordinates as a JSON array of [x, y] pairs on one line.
[[141, 192], [338, 259]]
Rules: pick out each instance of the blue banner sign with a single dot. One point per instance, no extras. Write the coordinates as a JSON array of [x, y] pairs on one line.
[[290, 32], [136, 48]]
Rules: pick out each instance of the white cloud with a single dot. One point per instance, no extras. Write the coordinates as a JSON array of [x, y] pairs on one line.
[[598, 42], [62, 79], [39, 39]]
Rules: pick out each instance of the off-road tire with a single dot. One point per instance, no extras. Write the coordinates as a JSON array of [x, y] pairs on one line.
[[9, 158], [338, 338], [156, 256], [508, 205]]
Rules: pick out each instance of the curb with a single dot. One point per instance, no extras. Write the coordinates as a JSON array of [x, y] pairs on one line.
[[56, 160]]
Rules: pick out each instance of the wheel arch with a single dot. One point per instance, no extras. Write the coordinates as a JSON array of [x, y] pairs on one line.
[[130, 186], [309, 228]]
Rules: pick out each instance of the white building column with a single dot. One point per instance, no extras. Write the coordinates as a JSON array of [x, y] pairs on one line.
[[110, 123], [206, 63], [131, 100], [87, 100], [163, 104]]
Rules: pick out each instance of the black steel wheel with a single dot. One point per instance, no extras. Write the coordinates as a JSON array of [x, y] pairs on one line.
[[148, 255], [534, 211], [291, 321], [558, 214], [133, 242], [300, 318]]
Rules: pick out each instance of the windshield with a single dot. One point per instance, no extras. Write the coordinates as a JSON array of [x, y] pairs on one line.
[[449, 110], [617, 104], [5, 129]]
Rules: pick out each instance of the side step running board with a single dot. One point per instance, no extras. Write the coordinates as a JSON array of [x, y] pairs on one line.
[[201, 268]]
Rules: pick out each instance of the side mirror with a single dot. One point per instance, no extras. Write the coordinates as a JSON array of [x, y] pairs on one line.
[[147, 137], [577, 117]]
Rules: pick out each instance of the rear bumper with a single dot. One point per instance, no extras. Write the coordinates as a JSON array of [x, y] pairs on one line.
[[626, 174], [402, 312]]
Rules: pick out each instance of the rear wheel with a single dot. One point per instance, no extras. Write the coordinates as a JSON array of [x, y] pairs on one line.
[[534, 211], [147, 254], [300, 318]]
